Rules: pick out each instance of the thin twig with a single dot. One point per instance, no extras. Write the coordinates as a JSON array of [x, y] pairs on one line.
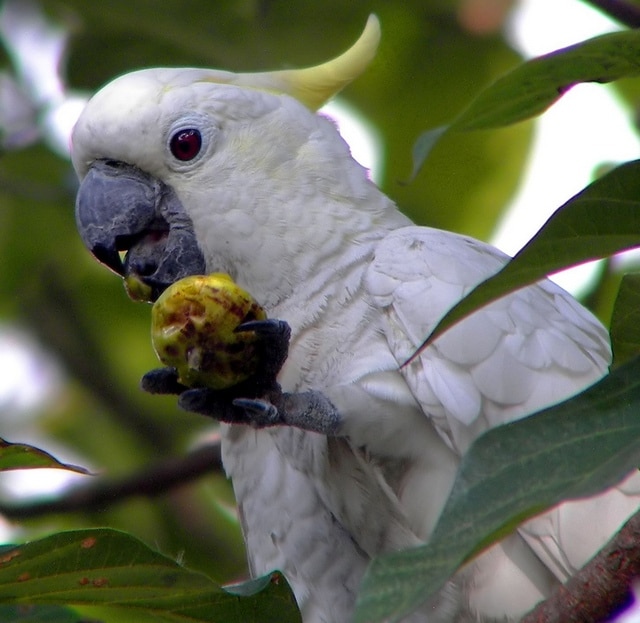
[[154, 480], [623, 11], [602, 588]]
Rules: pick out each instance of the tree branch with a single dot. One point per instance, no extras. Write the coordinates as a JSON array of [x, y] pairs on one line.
[[602, 588], [154, 480], [623, 11]]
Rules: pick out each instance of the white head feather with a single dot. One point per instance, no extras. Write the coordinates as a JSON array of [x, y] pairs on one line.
[[273, 191]]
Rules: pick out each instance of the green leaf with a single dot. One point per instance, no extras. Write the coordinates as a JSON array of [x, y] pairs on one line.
[[23, 456], [39, 614], [104, 567], [601, 220], [574, 449], [625, 320], [532, 87], [422, 148], [253, 586]]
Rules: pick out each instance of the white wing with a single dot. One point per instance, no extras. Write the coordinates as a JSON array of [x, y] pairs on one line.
[[526, 351], [522, 353]]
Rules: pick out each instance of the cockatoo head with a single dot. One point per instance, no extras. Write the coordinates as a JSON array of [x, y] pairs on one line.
[[181, 169]]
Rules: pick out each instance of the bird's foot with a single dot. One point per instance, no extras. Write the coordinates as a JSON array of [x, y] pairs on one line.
[[310, 411], [258, 401]]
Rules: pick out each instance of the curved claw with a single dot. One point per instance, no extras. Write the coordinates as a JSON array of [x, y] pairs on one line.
[[162, 381], [213, 403], [216, 405], [260, 413]]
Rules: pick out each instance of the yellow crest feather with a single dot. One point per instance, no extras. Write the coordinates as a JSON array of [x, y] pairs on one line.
[[314, 86]]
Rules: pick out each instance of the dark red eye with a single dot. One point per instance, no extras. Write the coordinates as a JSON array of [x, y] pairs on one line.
[[185, 145]]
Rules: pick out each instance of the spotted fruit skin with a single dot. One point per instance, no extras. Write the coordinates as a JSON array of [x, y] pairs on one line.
[[192, 329]]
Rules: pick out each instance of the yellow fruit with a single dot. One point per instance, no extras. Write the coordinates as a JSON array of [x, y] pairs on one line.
[[192, 329], [137, 289]]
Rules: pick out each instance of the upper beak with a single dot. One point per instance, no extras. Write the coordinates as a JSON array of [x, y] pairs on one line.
[[114, 203], [121, 208]]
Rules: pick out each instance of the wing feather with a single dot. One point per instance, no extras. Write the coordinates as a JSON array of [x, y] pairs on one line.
[[528, 350], [519, 354]]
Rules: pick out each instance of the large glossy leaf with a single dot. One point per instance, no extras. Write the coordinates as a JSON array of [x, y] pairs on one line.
[[601, 220], [625, 320], [577, 448], [110, 568], [39, 614], [533, 86]]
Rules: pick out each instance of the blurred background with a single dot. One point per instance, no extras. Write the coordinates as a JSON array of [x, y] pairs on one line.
[[73, 346]]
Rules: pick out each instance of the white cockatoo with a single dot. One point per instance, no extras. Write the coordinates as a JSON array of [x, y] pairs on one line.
[[194, 171]]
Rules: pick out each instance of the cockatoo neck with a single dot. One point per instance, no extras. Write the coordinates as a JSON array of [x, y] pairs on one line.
[[307, 251]]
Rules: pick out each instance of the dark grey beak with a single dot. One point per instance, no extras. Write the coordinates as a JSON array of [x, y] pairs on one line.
[[121, 208]]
